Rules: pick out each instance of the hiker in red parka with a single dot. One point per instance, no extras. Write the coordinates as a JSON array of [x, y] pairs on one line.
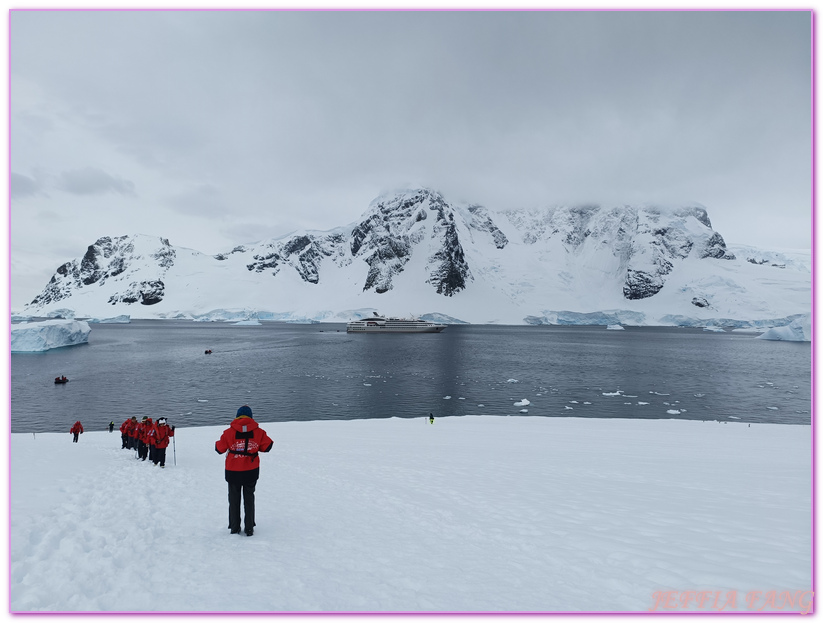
[[140, 439], [124, 436], [76, 430], [162, 433], [146, 427], [132, 433], [243, 440]]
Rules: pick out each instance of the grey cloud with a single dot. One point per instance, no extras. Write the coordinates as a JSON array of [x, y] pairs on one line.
[[204, 200], [302, 116], [23, 186], [92, 181]]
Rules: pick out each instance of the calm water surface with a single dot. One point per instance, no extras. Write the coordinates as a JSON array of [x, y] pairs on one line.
[[319, 372]]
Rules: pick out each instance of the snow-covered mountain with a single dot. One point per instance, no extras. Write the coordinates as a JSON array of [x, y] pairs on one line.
[[414, 252]]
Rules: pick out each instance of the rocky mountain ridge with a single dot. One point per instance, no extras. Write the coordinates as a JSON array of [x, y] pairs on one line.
[[414, 245]]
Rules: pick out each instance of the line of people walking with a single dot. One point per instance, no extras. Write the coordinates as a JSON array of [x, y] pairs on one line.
[[150, 439], [241, 442]]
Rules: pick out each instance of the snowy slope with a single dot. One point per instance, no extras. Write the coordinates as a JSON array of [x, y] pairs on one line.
[[469, 514], [413, 252]]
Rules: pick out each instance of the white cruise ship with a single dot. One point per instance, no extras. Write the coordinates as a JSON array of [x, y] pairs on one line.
[[381, 324]]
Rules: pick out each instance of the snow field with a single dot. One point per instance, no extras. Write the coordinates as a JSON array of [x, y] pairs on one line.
[[473, 513]]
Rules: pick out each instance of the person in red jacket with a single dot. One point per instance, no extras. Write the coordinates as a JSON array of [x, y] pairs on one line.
[[162, 433], [132, 433], [124, 427], [243, 440], [76, 430]]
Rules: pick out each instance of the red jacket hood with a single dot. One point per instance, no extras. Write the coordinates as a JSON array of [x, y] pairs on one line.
[[243, 424]]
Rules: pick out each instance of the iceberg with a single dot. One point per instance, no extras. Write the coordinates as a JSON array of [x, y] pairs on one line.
[[798, 330], [123, 319], [35, 337], [61, 313]]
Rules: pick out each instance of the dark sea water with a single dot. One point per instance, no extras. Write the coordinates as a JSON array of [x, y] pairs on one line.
[[319, 372]]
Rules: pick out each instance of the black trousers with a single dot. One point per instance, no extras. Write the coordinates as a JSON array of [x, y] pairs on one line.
[[76, 435], [159, 456], [248, 505]]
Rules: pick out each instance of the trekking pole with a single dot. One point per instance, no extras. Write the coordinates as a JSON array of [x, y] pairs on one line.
[[174, 449]]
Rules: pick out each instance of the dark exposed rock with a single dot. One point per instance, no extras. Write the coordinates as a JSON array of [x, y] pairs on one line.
[[483, 222], [716, 248], [641, 285], [144, 292]]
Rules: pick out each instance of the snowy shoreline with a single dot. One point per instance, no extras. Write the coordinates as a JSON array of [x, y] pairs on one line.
[[470, 514]]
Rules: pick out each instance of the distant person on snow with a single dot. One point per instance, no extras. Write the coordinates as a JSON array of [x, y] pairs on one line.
[[76, 430], [431, 418], [243, 440], [162, 433], [111, 427]]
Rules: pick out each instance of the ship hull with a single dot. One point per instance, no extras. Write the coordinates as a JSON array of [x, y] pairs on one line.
[[393, 325], [384, 329]]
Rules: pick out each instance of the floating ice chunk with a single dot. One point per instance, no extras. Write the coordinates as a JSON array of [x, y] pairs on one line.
[[524, 410], [201, 400], [447, 397], [586, 403], [481, 405], [614, 327], [254, 322], [461, 398], [714, 329], [659, 394], [367, 384], [512, 381], [772, 408], [568, 407], [574, 402], [34, 337], [522, 403], [799, 330], [673, 412], [734, 417], [699, 395], [642, 403], [617, 393]]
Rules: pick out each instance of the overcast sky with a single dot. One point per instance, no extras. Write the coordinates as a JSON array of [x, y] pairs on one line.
[[216, 128]]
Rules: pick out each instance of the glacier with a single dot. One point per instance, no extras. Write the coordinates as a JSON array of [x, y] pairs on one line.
[[35, 337]]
